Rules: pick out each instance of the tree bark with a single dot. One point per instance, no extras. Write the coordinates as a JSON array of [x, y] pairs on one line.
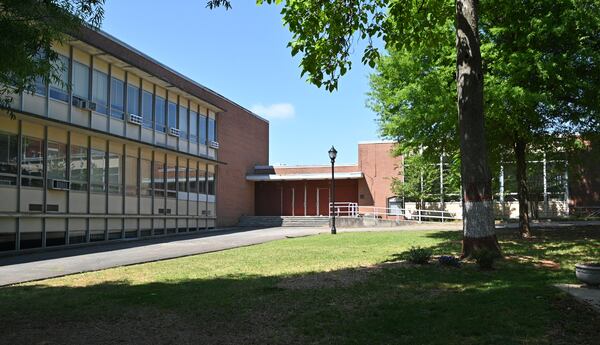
[[522, 188], [478, 208]]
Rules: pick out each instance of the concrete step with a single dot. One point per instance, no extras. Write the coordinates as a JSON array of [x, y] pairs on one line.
[[285, 221]]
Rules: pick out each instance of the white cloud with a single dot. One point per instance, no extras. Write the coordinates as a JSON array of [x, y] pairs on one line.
[[275, 111]]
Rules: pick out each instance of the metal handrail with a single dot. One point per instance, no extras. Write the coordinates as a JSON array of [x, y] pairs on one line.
[[351, 209]]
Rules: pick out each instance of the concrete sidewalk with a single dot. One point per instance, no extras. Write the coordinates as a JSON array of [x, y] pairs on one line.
[[42, 265]]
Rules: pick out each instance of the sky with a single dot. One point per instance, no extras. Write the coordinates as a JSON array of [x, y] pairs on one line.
[[242, 54]]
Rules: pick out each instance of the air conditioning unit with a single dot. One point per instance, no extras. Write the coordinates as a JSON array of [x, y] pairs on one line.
[[174, 132], [213, 144], [91, 106], [59, 184], [135, 119], [79, 102]]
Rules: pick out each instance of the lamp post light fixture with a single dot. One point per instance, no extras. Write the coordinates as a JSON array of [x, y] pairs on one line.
[[332, 156]]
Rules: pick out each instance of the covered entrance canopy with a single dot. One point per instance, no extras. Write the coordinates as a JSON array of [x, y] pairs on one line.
[[302, 194]]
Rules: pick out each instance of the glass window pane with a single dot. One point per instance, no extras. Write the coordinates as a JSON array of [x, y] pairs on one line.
[[100, 91], [8, 159], [171, 182], [98, 177], [202, 182], [183, 122], [58, 89], [115, 173], [57, 160], [159, 110], [193, 126], [32, 164], [81, 80], [79, 161], [117, 89], [133, 100], [131, 171], [211, 183], [172, 115], [193, 182], [159, 179], [212, 130], [145, 175], [203, 130], [182, 181], [147, 108]]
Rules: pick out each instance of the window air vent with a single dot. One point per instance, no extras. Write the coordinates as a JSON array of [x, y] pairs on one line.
[[52, 207], [79, 102], [91, 106], [59, 184], [174, 132], [164, 211], [213, 144], [35, 207], [135, 119]]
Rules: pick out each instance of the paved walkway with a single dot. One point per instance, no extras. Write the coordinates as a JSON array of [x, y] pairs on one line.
[[36, 266], [42, 265]]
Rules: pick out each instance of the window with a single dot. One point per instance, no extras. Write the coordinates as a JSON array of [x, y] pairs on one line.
[[8, 159], [147, 108], [172, 115], [100, 91], [81, 80], [159, 110], [131, 176], [145, 177], [117, 89], [79, 161], [171, 182], [32, 164], [115, 173], [201, 182], [193, 182], [57, 160], [212, 130], [133, 100], [98, 170], [183, 123], [210, 177], [182, 180], [159, 179], [58, 89], [193, 126], [40, 86], [202, 130]]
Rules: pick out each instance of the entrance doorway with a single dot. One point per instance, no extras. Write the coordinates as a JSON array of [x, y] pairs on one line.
[[323, 201]]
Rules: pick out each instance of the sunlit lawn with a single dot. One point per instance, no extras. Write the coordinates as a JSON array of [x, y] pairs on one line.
[[279, 293]]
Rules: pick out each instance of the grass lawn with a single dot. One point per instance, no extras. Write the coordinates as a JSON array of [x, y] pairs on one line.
[[343, 289]]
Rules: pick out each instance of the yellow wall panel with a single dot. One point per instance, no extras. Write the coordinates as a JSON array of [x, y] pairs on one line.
[[79, 139], [7, 125], [101, 65], [133, 79], [80, 56], [33, 129], [98, 144], [117, 73], [57, 134], [63, 49]]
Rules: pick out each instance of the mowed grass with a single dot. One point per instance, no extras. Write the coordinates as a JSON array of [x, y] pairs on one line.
[[343, 289]]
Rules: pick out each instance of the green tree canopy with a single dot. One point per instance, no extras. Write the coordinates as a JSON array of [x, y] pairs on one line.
[[29, 28]]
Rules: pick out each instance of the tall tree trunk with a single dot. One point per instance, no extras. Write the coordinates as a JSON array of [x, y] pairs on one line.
[[522, 190], [478, 208]]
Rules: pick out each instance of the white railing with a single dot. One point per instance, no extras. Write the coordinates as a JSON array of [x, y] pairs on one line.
[[350, 209], [587, 211], [343, 209]]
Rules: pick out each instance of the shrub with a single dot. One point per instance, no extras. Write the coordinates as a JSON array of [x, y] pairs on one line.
[[485, 258], [419, 255], [449, 260]]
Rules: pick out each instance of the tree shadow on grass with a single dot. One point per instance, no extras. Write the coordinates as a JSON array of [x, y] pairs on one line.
[[384, 303]]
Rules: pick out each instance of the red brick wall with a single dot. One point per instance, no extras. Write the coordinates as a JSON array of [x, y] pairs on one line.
[[584, 175], [269, 203], [378, 166], [244, 143]]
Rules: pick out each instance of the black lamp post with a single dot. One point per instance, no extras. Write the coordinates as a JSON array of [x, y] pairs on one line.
[[332, 156]]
